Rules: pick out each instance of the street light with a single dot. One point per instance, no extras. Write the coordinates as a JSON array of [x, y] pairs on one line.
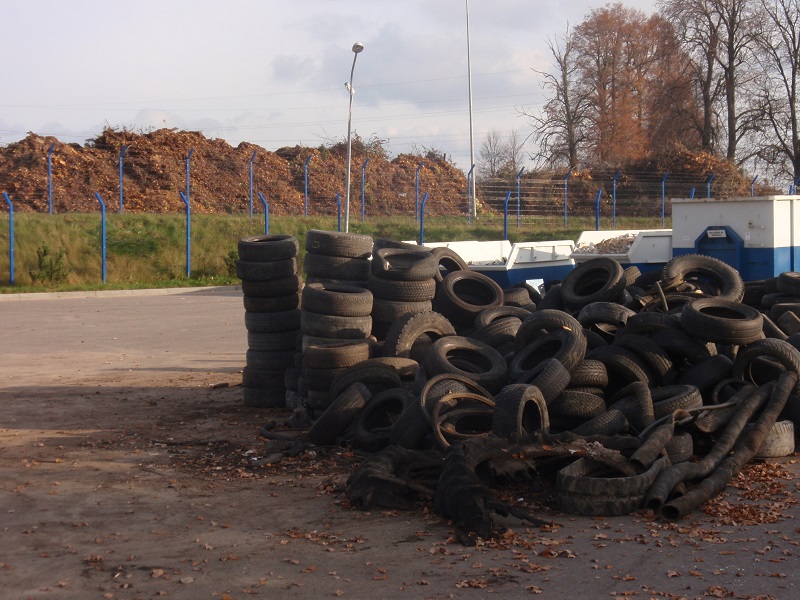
[[357, 48]]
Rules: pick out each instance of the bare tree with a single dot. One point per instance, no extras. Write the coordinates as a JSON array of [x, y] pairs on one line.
[[515, 147], [779, 55], [560, 129], [493, 154]]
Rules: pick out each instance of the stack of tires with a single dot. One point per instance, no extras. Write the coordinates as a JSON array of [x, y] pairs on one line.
[[335, 318], [402, 281], [267, 266], [333, 256]]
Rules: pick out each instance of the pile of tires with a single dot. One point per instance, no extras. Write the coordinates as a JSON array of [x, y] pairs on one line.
[[336, 257], [609, 354], [267, 266]]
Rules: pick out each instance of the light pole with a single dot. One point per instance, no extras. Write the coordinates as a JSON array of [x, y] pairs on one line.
[[357, 48]]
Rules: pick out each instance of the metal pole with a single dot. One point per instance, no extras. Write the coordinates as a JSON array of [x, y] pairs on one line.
[[597, 210], [708, 185], [505, 215], [422, 219], [469, 180], [416, 191], [10, 239], [519, 175], [188, 186], [185, 199], [363, 187], [357, 47], [614, 206], [266, 213], [338, 211], [102, 234], [471, 128], [305, 180], [50, 178], [252, 158], [566, 187], [121, 194], [753, 187], [663, 197]]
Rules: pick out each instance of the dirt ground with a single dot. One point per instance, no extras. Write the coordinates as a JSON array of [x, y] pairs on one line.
[[125, 456]]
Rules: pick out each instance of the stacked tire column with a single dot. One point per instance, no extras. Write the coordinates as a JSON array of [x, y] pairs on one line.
[[267, 266]]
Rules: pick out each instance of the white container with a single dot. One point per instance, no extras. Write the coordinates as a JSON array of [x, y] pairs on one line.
[[651, 248]]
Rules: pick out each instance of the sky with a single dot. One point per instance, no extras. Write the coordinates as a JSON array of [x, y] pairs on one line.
[[272, 72]]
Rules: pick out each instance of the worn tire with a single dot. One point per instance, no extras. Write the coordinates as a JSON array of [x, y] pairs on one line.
[[596, 280], [405, 332], [269, 247], [337, 243], [519, 409], [337, 299], [722, 321], [266, 270], [464, 294], [337, 268], [468, 358], [403, 265], [333, 326], [339, 415], [706, 269]]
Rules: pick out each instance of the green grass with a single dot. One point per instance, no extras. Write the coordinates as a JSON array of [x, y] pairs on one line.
[[149, 251]]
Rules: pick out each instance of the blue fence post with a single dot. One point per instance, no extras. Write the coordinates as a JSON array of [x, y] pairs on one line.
[[597, 210], [305, 185], [422, 219], [691, 193], [50, 178], [505, 215], [338, 211], [252, 158], [266, 213], [185, 199], [794, 187], [663, 198], [363, 187], [753, 187], [10, 239], [121, 192], [416, 193], [614, 204], [469, 195], [102, 234], [188, 172], [566, 187], [519, 195], [708, 185]]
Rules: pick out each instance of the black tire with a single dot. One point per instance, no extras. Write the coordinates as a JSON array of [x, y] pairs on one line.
[[389, 311], [447, 261], [337, 243], [271, 303], [610, 422], [623, 366], [274, 287], [631, 275], [335, 355], [464, 294], [468, 358], [550, 376], [489, 315], [337, 268], [337, 299], [332, 326], [680, 448], [258, 248], [586, 487], [403, 265], [722, 321], [375, 375], [339, 415], [373, 425], [707, 374], [778, 350], [272, 322], [519, 409], [682, 347], [596, 280], [609, 313], [589, 373], [516, 297], [552, 299], [499, 333], [401, 291], [320, 379], [654, 356], [670, 398], [266, 270], [543, 322], [649, 322], [779, 441], [259, 378], [275, 341], [577, 405], [566, 346], [269, 361], [789, 283], [405, 332], [709, 271]]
